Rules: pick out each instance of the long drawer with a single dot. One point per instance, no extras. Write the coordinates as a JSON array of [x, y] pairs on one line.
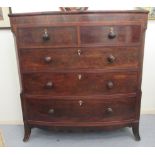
[[79, 58], [89, 110], [84, 83]]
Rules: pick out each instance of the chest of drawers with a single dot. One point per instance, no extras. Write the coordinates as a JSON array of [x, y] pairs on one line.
[[80, 69]]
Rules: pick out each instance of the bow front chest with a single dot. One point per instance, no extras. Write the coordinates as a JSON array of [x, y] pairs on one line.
[[80, 69]]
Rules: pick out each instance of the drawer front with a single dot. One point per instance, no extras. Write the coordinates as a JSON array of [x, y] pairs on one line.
[[79, 83], [47, 36], [82, 58], [81, 109], [110, 34]]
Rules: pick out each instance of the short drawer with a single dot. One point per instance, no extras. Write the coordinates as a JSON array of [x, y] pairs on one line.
[[62, 110], [83, 83], [47, 36], [79, 58], [110, 34]]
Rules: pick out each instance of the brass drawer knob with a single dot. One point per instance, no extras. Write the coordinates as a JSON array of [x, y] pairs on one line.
[[109, 110], [111, 58], [80, 102], [111, 34], [45, 35], [79, 76], [48, 59], [51, 111], [110, 84], [49, 85], [79, 52]]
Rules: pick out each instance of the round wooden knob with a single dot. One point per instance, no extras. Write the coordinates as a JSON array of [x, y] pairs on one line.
[[51, 111], [110, 84], [48, 59], [45, 35], [49, 85], [111, 58], [109, 110], [111, 34]]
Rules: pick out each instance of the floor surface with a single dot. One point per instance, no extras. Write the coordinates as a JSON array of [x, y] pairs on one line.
[[13, 135]]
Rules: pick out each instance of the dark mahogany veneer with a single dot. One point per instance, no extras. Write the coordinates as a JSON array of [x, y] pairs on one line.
[[80, 69]]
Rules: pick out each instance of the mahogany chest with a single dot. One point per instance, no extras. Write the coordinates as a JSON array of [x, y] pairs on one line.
[[80, 69]]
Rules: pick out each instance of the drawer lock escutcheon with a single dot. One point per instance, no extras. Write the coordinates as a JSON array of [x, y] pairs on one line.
[[49, 85], [46, 35], [111, 34], [79, 52], [79, 76], [80, 102]]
